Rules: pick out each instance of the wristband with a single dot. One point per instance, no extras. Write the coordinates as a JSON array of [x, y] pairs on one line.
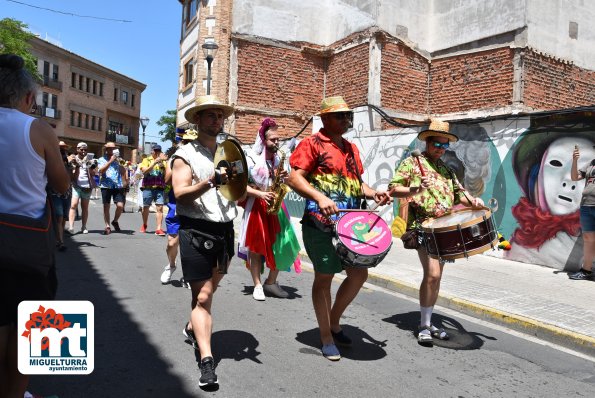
[[211, 185]]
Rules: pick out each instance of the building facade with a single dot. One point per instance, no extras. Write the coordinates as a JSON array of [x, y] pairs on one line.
[[85, 101], [515, 78]]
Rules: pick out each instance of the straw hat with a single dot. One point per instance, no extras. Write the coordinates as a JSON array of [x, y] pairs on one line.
[[190, 134], [333, 105], [207, 102], [437, 128], [110, 144], [62, 144]]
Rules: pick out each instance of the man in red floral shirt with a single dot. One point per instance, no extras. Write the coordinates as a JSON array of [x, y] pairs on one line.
[[326, 170]]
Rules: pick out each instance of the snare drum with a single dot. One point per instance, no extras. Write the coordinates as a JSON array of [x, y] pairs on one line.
[[362, 239], [460, 234]]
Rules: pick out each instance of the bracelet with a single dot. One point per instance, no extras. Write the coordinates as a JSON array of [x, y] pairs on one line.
[[211, 185]]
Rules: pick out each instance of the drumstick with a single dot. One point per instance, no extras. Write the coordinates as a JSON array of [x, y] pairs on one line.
[[416, 153]]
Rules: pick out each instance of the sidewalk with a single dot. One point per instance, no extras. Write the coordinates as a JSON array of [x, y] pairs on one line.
[[530, 298]]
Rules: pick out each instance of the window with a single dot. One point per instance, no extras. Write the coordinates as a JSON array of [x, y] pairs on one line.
[[115, 94], [55, 72], [88, 85], [45, 100], [132, 100], [81, 78], [80, 120], [46, 68], [54, 101], [87, 121], [92, 122], [125, 96], [72, 115], [73, 80], [94, 87], [188, 72], [101, 90], [99, 123], [115, 127]]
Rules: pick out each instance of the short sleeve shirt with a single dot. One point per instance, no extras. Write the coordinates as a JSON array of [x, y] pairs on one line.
[[444, 191], [154, 179], [588, 173], [111, 178], [331, 171]]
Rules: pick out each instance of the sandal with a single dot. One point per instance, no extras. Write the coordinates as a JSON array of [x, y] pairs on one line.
[[107, 231], [424, 336], [439, 334]]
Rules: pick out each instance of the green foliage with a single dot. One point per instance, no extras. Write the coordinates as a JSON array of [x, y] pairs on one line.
[[14, 39], [168, 133]]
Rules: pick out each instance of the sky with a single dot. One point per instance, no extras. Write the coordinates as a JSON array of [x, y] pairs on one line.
[[146, 49]]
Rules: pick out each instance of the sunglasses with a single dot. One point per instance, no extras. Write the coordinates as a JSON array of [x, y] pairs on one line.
[[440, 145], [343, 115]]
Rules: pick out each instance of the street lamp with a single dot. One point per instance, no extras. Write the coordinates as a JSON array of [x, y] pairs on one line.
[[209, 50], [144, 122]]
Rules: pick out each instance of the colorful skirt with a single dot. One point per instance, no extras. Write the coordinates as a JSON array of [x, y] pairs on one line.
[[270, 235]]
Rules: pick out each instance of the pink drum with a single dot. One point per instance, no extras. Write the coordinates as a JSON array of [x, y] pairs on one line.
[[362, 239]]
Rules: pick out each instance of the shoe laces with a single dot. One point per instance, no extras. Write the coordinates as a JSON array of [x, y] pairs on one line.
[[207, 366]]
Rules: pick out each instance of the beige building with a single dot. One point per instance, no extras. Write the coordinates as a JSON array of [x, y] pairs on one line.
[[85, 101]]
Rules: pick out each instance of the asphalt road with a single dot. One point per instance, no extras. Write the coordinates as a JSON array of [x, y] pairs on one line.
[[271, 348]]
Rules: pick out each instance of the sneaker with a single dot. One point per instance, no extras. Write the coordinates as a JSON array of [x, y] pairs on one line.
[[258, 293], [116, 226], [84, 231], [207, 370], [331, 352], [189, 334], [61, 247], [166, 274], [275, 290], [581, 274], [159, 232], [341, 338], [70, 231], [143, 228], [185, 284]]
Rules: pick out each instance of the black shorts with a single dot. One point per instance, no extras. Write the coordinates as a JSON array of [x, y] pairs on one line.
[[18, 286], [202, 245], [116, 193]]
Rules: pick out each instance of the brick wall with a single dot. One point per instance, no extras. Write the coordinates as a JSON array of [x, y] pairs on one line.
[[247, 125], [348, 75], [551, 84], [404, 79], [475, 81]]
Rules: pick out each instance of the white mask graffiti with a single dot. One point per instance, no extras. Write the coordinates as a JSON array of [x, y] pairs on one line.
[[556, 189]]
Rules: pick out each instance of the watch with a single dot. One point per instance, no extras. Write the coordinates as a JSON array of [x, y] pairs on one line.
[[211, 184]]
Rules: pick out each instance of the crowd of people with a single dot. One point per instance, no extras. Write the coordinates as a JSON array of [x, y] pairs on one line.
[[325, 168]]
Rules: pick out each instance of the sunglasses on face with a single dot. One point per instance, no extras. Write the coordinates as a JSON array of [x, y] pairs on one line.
[[440, 145], [343, 115]]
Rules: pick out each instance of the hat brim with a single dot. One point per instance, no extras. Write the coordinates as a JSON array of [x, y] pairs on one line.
[[432, 133], [190, 113], [341, 109]]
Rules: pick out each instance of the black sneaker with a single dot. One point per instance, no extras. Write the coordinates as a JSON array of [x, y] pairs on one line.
[[581, 274], [207, 371], [341, 338], [189, 334]]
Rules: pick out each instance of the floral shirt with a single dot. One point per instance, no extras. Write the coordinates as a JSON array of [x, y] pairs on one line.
[[331, 171], [111, 178], [444, 192]]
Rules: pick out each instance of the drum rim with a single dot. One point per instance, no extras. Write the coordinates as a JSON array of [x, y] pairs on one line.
[[456, 226], [470, 253]]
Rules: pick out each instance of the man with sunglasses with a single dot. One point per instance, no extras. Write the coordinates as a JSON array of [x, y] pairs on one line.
[[430, 192], [326, 170]]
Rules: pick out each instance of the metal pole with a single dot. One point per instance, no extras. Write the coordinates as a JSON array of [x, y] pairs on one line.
[[209, 61], [143, 146]]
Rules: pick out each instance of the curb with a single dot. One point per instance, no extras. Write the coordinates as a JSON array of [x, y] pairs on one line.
[[541, 330]]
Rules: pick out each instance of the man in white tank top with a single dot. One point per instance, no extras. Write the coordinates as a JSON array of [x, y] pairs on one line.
[[206, 223]]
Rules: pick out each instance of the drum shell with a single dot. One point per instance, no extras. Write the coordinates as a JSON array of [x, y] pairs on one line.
[[460, 240], [353, 259]]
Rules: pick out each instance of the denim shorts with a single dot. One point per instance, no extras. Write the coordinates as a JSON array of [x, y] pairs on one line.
[[83, 193], [152, 195], [61, 206], [588, 218]]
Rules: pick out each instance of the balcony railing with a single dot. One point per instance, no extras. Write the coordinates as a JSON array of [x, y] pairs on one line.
[[119, 138], [51, 82], [47, 112]]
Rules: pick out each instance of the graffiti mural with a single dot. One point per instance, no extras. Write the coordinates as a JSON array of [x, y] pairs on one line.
[[523, 163]]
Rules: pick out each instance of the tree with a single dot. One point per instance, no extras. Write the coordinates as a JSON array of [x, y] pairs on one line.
[[14, 39], [169, 121]]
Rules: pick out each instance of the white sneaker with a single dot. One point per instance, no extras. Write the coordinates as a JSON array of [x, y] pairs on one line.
[[275, 290], [166, 275], [70, 231], [258, 293], [84, 230], [185, 284]]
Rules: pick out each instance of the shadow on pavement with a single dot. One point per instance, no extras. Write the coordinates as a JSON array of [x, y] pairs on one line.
[[293, 292], [460, 339], [234, 344], [126, 364], [364, 347]]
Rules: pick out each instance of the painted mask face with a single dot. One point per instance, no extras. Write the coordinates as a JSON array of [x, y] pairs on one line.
[[557, 190]]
